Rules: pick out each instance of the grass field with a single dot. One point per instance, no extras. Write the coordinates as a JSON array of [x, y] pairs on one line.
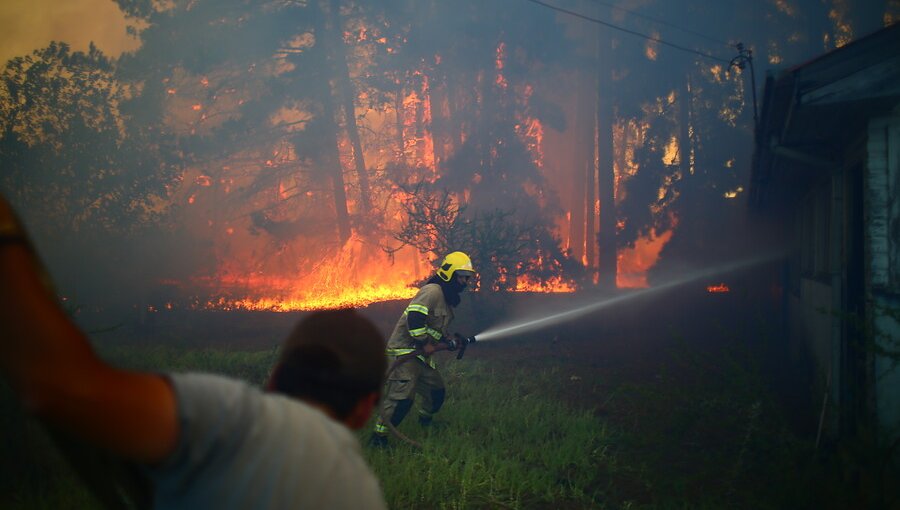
[[553, 420], [501, 442]]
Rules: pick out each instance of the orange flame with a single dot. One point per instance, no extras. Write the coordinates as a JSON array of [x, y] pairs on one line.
[[357, 276], [715, 289], [633, 263], [553, 285]]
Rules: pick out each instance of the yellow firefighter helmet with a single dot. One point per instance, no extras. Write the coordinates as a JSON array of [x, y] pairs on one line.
[[456, 261]]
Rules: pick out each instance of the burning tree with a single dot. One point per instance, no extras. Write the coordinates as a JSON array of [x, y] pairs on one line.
[[280, 140], [508, 251]]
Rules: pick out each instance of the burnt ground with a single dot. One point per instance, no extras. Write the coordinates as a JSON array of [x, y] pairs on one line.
[[708, 407]]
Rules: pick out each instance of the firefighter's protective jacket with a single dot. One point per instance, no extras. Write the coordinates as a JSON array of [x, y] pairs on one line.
[[430, 302]]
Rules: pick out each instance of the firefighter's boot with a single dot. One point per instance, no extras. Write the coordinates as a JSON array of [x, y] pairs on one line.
[[379, 441]]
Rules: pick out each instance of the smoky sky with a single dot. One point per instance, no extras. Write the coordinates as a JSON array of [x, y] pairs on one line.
[[26, 25], [209, 92]]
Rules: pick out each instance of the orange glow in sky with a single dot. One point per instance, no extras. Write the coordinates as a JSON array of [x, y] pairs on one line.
[[27, 25]]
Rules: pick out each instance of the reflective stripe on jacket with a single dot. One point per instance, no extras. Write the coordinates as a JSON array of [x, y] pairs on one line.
[[430, 302]]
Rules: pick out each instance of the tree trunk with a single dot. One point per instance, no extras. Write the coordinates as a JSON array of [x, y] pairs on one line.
[[331, 157], [438, 98], [454, 130], [606, 237], [347, 95], [332, 162], [590, 220], [684, 128], [583, 225], [583, 123], [401, 141], [420, 121]]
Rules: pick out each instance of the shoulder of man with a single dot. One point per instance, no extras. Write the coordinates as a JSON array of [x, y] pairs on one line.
[[431, 289], [429, 294]]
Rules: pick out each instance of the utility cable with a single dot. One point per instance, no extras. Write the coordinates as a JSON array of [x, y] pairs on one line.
[[666, 23], [632, 32]]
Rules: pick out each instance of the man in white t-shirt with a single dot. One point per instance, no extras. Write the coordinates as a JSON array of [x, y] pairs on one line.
[[198, 440]]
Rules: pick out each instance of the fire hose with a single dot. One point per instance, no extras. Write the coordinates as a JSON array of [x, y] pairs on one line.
[[461, 343]]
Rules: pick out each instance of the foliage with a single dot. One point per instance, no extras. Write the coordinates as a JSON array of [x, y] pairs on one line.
[[235, 116], [434, 221], [68, 157], [503, 245]]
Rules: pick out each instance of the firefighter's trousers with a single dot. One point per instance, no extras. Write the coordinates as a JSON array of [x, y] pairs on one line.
[[413, 377]]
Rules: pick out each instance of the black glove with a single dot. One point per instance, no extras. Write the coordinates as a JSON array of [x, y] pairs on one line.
[[451, 343]]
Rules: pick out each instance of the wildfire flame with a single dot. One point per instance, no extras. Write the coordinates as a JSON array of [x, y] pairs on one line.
[[356, 277], [716, 289], [554, 285], [633, 263], [358, 274]]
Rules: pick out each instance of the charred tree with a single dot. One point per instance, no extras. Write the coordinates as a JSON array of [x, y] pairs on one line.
[[438, 100], [331, 160], [606, 235], [347, 94], [420, 127], [400, 150], [684, 128], [582, 169], [330, 157]]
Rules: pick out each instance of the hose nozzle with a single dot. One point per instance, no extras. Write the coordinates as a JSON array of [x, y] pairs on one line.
[[463, 342]]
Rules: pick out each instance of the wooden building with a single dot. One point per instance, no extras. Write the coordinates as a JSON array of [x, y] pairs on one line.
[[826, 182]]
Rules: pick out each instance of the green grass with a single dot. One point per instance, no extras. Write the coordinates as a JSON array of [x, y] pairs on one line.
[[251, 366], [501, 441], [522, 433]]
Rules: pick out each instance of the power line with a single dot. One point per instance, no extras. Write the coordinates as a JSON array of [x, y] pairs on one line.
[[666, 23], [632, 32]]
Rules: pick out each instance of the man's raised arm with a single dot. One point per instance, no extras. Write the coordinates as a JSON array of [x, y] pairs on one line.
[[50, 365]]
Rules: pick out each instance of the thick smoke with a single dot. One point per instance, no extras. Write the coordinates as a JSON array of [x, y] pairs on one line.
[[246, 142]]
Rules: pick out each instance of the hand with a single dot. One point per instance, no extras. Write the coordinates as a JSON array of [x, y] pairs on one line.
[[129, 414], [451, 344]]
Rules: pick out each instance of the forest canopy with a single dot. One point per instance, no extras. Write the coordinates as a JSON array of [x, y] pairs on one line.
[[283, 154]]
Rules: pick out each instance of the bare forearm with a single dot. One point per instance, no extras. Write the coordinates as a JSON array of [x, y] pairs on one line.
[[40, 342], [51, 366]]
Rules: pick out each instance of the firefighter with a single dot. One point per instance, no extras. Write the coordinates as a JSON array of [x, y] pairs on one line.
[[422, 329]]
